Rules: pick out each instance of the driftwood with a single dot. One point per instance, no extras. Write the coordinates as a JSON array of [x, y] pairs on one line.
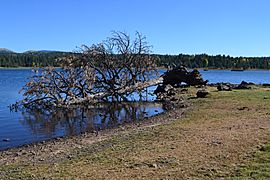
[[109, 71], [135, 88]]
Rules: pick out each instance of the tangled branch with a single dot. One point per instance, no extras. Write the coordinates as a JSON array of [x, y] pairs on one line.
[[108, 71]]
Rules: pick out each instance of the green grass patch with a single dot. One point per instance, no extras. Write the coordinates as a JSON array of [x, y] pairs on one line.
[[258, 167]]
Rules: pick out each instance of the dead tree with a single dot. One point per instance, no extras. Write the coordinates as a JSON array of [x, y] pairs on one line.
[[108, 71]]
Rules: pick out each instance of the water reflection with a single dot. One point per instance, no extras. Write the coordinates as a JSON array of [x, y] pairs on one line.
[[63, 122]]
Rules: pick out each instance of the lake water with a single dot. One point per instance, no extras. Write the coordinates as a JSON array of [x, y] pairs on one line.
[[19, 128], [236, 77], [24, 127]]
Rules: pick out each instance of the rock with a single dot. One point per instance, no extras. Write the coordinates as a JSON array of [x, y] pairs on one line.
[[163, 88], [247, 83], [168, 87], [184, 90], [154, 165], [243, 85], [167, 105], [224, 87], [181, 104], [202, 93], [171, 93], [165, 92], [243, 108], [173, 99], [18, 154]]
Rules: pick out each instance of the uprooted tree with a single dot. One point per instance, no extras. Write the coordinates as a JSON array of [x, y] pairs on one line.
[[109, 71]]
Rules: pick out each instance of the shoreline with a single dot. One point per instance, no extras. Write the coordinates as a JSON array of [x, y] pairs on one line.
[[211, 138], [145, 120], [68, 145]]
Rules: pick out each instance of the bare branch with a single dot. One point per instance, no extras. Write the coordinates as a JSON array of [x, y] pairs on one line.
[[112, 69]]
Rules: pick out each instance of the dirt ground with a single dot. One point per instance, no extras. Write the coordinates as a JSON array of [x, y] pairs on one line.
[[212, 138]]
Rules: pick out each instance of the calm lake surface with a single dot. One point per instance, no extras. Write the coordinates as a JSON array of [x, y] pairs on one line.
[[19, 128], [236, 77]]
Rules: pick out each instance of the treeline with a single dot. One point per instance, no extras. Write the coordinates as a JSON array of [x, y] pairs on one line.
[[214, 62], [33, 59]]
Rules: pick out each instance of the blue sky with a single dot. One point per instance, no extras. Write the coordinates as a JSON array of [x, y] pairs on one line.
[[231, 27]]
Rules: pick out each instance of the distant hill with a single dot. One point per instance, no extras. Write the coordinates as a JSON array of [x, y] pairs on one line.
[[47, 51], [8, 51], [43, 51], [4, 51], [31, 58]]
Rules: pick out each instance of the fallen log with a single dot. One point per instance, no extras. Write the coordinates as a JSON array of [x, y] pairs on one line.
[[94, 98]]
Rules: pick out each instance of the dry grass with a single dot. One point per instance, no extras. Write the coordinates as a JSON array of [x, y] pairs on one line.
[[213, 140]]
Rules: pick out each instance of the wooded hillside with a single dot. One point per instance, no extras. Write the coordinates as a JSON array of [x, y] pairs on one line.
[[31, 59]]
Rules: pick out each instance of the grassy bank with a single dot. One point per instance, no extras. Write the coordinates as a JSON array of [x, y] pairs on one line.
[[256, 168], [218, 137]]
